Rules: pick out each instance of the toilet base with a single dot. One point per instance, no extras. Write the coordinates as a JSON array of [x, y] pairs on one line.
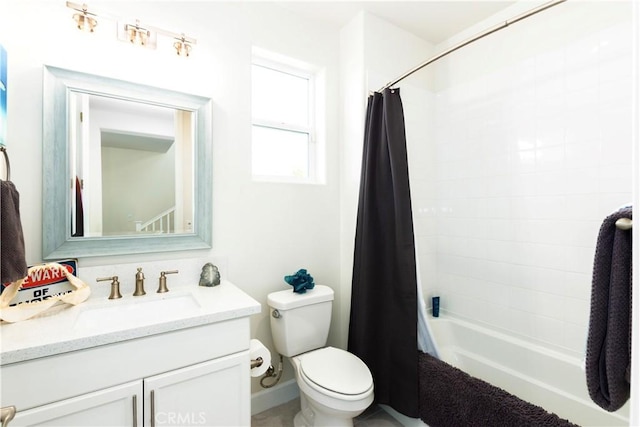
[[301, 421], [308, 416]]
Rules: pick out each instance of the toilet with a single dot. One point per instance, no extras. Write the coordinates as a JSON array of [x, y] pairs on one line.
[[335, 385]]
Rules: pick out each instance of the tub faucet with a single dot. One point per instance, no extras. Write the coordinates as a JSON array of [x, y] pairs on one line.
[[139, 283]]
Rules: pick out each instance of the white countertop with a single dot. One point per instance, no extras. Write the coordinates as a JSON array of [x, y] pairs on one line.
[[100, 321]]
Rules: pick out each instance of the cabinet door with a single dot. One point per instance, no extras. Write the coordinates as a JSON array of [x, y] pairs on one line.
[[213, 393], [115, 406]]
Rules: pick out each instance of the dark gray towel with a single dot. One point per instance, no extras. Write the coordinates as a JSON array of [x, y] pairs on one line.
[[450, 397], [12, 255], [609, 342]]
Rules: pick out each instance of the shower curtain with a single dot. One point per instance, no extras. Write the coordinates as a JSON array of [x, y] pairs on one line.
[[384, 302]]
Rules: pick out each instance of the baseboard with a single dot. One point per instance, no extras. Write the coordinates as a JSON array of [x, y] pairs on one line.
[[274, 396], [403, 419]]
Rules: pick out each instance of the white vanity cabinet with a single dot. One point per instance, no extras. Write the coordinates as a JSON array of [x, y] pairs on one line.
[[182, 374], [212, 393], [197, 376]]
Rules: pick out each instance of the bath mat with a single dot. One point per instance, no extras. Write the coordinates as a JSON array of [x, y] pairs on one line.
[[450, 397]]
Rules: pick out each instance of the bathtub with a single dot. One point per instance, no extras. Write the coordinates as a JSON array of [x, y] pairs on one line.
[[544, 377]]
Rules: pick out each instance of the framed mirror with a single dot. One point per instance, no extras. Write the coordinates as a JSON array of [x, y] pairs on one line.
[[126, 167]]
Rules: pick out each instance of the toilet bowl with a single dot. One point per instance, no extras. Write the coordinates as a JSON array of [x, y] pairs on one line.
[[335, 386]]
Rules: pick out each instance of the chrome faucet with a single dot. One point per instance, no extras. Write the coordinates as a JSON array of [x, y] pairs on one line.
[[139, 283]]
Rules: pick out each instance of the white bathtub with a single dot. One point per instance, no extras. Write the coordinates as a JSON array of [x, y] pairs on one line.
[[532, 372]]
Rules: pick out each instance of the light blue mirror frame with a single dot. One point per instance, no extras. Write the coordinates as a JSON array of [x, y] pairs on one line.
[[57, 242]]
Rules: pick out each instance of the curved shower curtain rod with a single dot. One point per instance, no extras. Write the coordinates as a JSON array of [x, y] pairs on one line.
[[491, 30]]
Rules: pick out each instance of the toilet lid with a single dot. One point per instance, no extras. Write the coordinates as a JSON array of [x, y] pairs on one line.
[[336, 370]]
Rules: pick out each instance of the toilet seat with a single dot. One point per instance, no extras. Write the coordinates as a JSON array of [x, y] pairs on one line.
[[335, 370]]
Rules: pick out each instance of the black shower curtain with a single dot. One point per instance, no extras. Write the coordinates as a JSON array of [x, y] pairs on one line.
[[384, 305]]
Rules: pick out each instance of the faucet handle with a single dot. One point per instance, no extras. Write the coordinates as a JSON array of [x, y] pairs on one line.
[[162, 282], [115, 286]]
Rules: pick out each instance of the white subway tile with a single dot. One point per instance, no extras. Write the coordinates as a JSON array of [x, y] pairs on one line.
[[498, 272], [579, 259], [583, 78], [575, 338], [550, 305], [616, 179], [551, 87], [576, 311], [583, 154], [582, 181], [520, 322], [526, 161], [550, 158], [616, 41], [549, 330], [522, 299], [582, 207], [523, 184], [578, 285], [583, 52], [551, 281], [523, 161], [550, 64], [551, 184], [580, 233], [550, 207]]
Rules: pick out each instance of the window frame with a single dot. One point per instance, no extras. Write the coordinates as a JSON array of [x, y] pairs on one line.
[[295, 69]]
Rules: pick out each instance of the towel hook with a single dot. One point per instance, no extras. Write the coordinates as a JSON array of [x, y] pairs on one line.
[[624, 224], [6, 161]]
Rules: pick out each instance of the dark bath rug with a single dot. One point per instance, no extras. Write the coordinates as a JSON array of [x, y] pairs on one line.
[[450, 397]]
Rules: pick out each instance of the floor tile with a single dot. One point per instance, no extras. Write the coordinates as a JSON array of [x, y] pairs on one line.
[[282, 416]]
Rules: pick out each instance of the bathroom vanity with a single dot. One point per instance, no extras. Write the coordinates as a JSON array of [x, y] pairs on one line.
[[180, 358]]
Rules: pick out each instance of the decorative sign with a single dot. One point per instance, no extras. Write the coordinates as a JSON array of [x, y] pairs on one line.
[[45, 283]]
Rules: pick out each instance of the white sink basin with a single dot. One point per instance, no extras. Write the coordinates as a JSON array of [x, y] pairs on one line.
[[118, 314]]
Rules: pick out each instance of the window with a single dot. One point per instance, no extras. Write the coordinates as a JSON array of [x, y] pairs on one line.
[[284, 137]]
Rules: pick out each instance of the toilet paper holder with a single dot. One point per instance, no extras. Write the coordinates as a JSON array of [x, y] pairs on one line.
[[256, 362]]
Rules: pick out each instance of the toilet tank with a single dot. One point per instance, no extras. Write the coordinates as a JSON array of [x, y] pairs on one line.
[[300, 322]]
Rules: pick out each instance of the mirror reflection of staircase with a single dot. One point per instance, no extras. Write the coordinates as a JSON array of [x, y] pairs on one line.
[[161, 223]]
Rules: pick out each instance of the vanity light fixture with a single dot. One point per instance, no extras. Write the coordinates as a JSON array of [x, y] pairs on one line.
[[136, 34], [85, 21], [182, 46], [133, 33]]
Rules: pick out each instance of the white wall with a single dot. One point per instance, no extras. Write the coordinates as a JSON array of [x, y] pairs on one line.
[[533, 149], [263, 231]]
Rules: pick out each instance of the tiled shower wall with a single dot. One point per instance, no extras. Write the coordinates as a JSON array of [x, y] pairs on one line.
[[528, 149]]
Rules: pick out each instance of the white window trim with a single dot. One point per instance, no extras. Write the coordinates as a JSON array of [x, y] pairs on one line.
[[295, 68]]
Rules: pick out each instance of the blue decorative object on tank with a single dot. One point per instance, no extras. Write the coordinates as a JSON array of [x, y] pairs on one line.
[[301, 281]]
